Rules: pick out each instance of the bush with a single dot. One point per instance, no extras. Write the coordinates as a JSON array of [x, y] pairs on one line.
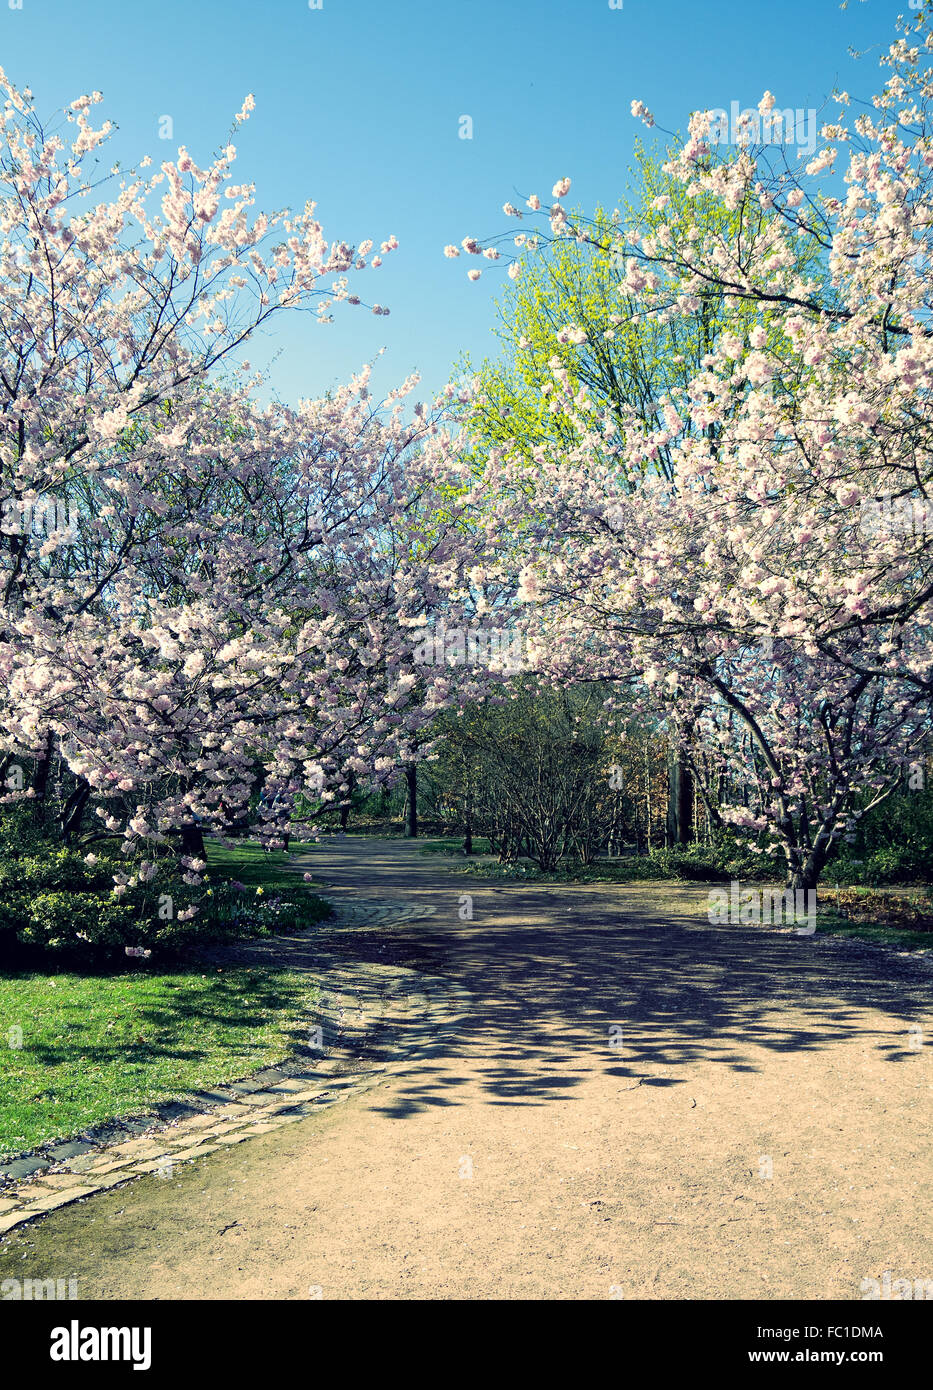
[[891, 843], [719, 863], [692, 862], [891, 864], [20, 832], [60, 870], [68, 921], [52, 901]]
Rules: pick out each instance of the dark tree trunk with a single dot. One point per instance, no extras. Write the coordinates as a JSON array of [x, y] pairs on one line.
[[192, 841], [345, 808], [74, 810], [411, 805], [680, 802], [468, 828], [40, 781], [805, 873]]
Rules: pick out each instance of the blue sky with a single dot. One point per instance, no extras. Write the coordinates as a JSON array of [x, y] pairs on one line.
[[358, 106]]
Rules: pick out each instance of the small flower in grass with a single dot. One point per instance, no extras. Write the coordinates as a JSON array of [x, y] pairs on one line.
[[307, 878], [259, 892], [237, 886]]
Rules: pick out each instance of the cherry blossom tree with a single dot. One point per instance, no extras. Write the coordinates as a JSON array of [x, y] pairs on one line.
[[219, 596], [764, 589]]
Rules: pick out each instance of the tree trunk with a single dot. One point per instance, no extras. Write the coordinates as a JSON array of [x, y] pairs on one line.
[[468, 827], [74, 810], [192, 840], [648, 798], [411, 805], [40, 781], [805, 870], [345, 808], [680, 802]]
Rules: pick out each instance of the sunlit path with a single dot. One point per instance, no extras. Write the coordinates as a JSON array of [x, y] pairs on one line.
[[763, 1130]]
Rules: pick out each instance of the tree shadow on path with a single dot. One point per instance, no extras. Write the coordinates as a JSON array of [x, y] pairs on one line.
[[630, 981]]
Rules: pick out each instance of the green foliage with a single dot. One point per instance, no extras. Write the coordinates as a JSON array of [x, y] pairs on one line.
[[52, 902], [53, 869], [630, 358], [890, 864], [97, 1046], [21, 833], [724, 862], [893, 842], [68, 921]]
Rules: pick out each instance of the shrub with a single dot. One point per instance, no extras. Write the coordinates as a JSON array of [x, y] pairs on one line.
[[695, 862], [66, 922], [61, 870], [719, 862], [891, 864], [53, 901]]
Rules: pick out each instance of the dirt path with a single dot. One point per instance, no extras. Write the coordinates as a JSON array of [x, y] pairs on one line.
[[763, 1132]]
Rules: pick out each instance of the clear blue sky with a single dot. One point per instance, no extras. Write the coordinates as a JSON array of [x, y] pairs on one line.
[[358, 104]]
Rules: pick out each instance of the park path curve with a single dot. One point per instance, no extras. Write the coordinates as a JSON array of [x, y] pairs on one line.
[[763, 1131]]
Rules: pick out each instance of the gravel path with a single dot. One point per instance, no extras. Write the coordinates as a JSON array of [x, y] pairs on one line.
[[763, 1131]]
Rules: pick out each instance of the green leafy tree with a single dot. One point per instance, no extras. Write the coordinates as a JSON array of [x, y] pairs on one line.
[[569, 313]]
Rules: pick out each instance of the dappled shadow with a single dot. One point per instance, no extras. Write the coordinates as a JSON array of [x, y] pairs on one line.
[[554, 970], [227, 1016]]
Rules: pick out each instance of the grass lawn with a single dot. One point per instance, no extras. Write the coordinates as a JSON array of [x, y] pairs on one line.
[[101, 1044], [95, 1047], [904, 939], [638, 869], [902, 919], [454, 846], [250, 864]]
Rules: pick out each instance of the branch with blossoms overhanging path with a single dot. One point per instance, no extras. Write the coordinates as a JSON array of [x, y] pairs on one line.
[[224, 603], [745, 569], [829, 385]]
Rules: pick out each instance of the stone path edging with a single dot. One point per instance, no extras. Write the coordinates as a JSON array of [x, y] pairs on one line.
[[374, 1022]]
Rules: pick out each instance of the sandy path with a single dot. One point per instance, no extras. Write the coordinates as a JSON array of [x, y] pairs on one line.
[[595, 1171]]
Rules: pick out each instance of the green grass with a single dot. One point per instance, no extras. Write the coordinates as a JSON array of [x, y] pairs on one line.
[[904, 920], [454, 845], [634, 870], [275, 897], [250, 865], [872, 915], [832, 925], [98, 1045], [627, 870], [95, 1047]]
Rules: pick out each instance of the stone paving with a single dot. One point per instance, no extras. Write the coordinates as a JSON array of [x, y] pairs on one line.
[[373, 1020]]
